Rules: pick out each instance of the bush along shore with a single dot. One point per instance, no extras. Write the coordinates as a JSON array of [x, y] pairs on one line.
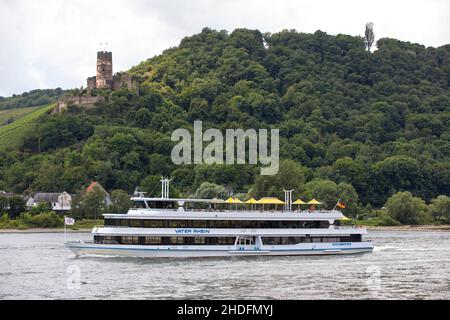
[[45, 220]]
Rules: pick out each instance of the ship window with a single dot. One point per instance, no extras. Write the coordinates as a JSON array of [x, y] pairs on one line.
[[130, 240], [155, 223], [136, 223], [176, 224], [176, 240], [139, 204], [330, 239], [223, 224], [296, 240], [199, 224], [152, 240], [156, 240], [163, 204], [199, 240], [111, 222]]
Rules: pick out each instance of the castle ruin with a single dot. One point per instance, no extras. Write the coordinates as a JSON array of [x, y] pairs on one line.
[[104, 79]]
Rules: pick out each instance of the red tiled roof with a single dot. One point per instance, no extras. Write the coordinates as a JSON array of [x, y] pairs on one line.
[[91, 186]]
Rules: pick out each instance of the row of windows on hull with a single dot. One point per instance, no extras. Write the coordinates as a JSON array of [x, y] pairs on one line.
[[223, 224], [156, 240]]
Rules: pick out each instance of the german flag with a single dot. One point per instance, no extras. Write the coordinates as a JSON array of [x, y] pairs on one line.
[[340, 204]]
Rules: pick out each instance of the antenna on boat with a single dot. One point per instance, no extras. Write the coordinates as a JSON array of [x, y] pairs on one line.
[[288, 200], [139, 194], [165, 187]]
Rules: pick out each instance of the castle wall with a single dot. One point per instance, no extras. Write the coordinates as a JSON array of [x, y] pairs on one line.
[[122, 80], [91, 83], [79, 101]]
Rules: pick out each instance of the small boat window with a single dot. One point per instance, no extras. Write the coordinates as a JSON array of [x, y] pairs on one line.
[[163, 204], [139, 205]]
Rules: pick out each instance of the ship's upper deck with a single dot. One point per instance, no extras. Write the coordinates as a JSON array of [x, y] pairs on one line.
[[226, 215], [216, 209]]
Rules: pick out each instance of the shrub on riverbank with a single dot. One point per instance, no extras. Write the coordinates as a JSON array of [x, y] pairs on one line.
[[87, 223], [44, 220], [382, 218], [7, 223], [26, 220], [407, 209], [440, 209]]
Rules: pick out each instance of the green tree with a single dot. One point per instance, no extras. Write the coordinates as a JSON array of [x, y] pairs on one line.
[[16, 206], [348, 170], [121, 202], [94, 203], [440, 208], [291, 175], [142, 117], [41, 208], [400, 173], [350, 197], [370, 36], [209, 190], [89, 205], [326, 191], [151, 185], [406, 208], [3, 204]]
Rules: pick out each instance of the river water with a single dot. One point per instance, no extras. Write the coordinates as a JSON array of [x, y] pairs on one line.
[[404, 265]]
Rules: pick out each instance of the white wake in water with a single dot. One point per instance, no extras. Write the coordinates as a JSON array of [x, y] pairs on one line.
[[384, 248]]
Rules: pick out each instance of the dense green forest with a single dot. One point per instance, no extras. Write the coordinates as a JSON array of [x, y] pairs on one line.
[[353, 124], [31, 99]]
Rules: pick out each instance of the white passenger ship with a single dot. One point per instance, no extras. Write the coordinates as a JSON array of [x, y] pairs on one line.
[[166, 227]]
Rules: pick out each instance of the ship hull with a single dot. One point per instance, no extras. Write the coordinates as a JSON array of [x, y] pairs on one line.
[[80, 249]]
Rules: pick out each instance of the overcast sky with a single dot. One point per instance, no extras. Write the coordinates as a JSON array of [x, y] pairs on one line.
[[53, 43]]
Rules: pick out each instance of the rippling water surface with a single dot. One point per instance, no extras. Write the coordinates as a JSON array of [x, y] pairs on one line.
[[404, 265]]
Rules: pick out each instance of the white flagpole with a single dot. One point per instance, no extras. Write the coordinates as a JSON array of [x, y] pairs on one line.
[[65, 229], [336, 204]]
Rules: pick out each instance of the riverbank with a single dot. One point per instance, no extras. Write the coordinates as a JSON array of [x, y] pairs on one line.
[[444, 227], [45, 230]]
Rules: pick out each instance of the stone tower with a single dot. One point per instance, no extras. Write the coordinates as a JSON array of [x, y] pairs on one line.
[[104, 77]]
